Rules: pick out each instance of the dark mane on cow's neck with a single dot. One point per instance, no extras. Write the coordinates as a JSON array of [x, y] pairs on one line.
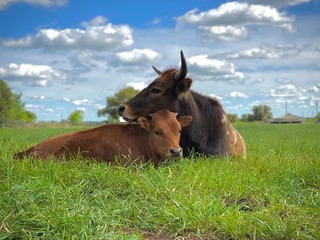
[[207, 114], [206, 106]]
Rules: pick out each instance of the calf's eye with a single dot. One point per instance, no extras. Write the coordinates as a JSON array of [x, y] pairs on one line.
[[159, 133]]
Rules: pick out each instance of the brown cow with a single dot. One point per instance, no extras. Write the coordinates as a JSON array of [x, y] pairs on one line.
[[154, 140], [210, 132]]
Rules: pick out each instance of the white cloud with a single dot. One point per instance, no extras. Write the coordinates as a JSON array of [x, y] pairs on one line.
[[40, 74], [38, 108], [314, 89], [255, 103], [238, 95], [27, 70], [228, 21], [43, 3], [287, 88], [294, 97], [99, 106], [213, 69], [40, 83], [277, 3], [83, 102], [32, 106], [50, 110], [97, 34], [227, 33], [235, 107], [156, 21], [283, 91], [279, 51], [38, 97], [214, 96], [136, 56], [292, 94], [83, 109], [86, 60], [137, 85], [283, 80]]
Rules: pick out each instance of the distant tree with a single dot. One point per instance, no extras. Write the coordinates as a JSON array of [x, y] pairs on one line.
[[317, 118], [76, 117], [18, 113], [247, 117], [262, 113], [233, 118], [25, 117], [5, 102], [12, 109], [113, 103]]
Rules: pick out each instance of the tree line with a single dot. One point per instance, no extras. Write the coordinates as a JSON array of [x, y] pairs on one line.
[[12, 109], [260, 113]]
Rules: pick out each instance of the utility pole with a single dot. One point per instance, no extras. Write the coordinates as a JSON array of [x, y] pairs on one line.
[[286, 108], [317, 104]]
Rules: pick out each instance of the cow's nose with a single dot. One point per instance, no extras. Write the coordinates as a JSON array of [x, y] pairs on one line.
[[121, 109], [175, 152]]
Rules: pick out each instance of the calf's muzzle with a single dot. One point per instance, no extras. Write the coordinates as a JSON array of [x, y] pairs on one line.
[[175, 152]]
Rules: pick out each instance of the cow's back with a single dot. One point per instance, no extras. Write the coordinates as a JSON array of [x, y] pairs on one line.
[[102, 143], [107, 142], [53, 146]]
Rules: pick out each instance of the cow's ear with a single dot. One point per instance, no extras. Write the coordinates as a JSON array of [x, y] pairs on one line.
[[184, 85], [144, 122], [185, 120]]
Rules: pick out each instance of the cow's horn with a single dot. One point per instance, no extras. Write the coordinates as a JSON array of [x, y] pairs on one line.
[[182, 73], [157, 70]]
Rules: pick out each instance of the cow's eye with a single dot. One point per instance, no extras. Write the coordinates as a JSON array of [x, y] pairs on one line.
[[155, 90]]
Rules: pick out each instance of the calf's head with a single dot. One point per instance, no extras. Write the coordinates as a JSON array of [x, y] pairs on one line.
[[163, 93], [164, 132]]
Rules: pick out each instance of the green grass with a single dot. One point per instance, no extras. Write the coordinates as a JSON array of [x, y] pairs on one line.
[[273, 194]]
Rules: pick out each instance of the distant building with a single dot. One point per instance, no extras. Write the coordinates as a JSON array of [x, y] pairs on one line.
[[289, 118]]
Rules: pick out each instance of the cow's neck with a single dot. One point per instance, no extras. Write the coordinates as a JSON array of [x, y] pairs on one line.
[[201, 108], [206, 126]]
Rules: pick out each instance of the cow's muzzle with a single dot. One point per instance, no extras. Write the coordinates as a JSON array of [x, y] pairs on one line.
[[121, 109], [124, 113]]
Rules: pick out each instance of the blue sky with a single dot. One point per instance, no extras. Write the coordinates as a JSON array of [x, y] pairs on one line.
[[66, 55]]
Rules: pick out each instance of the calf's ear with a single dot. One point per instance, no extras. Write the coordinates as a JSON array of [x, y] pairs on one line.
[[144, 123], [185, 120]]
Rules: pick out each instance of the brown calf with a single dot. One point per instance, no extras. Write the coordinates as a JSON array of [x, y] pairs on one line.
[[149, 140], [210, 132]]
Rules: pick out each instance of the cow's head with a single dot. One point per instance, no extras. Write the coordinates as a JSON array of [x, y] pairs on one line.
[[163, 93], [164, 132]]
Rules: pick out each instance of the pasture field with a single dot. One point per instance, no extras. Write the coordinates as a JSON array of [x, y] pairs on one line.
[[273, 194]]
